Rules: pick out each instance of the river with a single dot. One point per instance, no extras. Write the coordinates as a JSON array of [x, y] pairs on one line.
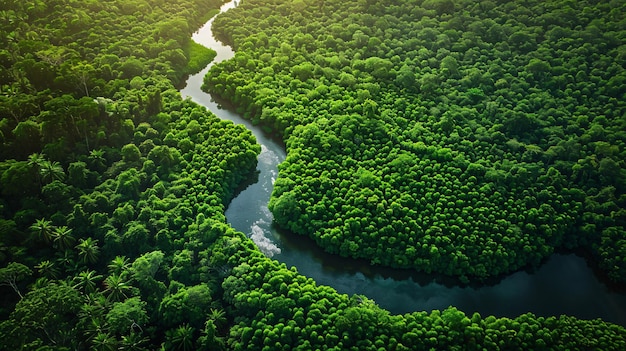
[[564, 284]]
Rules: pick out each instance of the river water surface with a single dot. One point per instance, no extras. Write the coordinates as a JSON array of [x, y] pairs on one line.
[[564, 284]]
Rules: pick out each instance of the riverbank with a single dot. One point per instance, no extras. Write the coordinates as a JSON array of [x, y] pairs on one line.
[[564, 284]]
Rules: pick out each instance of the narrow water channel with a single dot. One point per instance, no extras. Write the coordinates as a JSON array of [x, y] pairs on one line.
[[564, 284]]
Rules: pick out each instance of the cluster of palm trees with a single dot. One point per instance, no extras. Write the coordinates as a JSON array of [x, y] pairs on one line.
[[62, 239], [182, 337], [117, 285], [47, 171]]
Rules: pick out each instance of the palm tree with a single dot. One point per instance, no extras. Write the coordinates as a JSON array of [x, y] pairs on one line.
[[35, 162], [40, 283], [218, 316], [92, 315], [63, 238], [67, 260], [86, 280], [119, 265], [97, 160], [104, 342], [117, 287], [93, 326], [47, 269], [43, 229], [180, 338], [88, 250], [210, 340], [51, 171], [133, 341]]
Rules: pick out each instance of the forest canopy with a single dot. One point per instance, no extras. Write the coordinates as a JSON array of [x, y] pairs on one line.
[[113, 188], [457, 137]]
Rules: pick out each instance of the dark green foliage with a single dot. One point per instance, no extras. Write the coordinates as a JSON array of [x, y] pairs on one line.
[[12, 274], [127, 316], [45, 316], [406, 125], [88, 173], [187, 305], [464, 138], [279, 309]]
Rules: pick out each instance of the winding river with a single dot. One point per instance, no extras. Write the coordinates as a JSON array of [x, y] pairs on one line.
[[564, 284]]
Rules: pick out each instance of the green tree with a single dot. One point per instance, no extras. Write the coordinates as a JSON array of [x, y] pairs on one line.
[[210, 340], [218, 316], [127, 317], [117, 287], [406, 77], [187, 305], [131, 153], [43, 229], [63, 237], [17, 180], [538, 68], [88, 250], [119, 265], [133, 341], [128, 183], [45, 316], [83, 74], [96, 159], [35, 162], [12, 274], [87, 281], [132, 67], [47, 269], [51, 171], [450, 66], [67, 260], [180, 339], [77, 174], [28, 136], [440, 6], [146, 266], [104, 342]]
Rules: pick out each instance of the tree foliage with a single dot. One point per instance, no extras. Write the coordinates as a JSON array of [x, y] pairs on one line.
[[473, 143], [469, 138]]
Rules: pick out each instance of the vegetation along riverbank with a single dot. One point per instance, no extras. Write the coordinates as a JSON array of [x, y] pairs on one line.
[[446, 136]]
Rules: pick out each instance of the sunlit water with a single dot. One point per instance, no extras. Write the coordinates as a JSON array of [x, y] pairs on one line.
[[564, 284]]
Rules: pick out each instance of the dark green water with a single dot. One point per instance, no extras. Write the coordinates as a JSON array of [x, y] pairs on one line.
[[564, 284]]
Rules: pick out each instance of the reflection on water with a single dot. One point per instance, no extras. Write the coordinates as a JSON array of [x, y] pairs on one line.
[[564, 284]]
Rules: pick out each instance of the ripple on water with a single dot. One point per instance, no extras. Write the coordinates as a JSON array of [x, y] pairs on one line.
[[267, 156], [265, 244]]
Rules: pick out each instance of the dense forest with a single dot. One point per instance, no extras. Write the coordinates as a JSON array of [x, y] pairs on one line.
[[113, 188], [457, 137]]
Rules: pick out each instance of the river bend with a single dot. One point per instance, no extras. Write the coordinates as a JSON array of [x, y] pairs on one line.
[[564, 284]]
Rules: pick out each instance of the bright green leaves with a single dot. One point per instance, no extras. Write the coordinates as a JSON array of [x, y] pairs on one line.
[[45, 315], [88, 250], [187, 305], [481, 109], [129, 315], [285, 207], [117, 287]]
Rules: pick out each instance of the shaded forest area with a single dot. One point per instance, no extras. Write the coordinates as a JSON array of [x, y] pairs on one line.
[[112, 228], [465, 138]]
